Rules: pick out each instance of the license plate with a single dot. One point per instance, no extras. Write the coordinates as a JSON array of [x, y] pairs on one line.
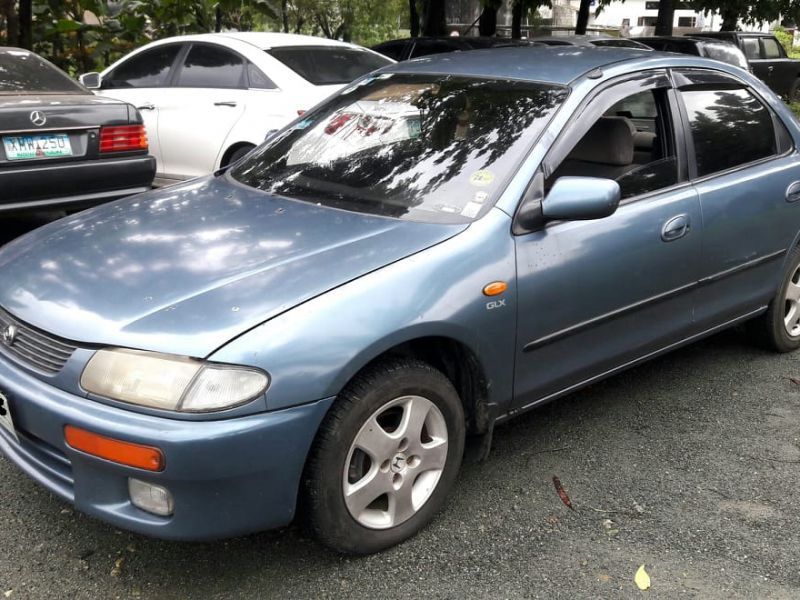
[[46, 145], [5, 417]]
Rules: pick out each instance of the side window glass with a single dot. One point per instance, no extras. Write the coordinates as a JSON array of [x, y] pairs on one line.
[[257, 79], [771, 49], [207, 66], [751, 49], [632, 143], [729, 128], [150, 68]]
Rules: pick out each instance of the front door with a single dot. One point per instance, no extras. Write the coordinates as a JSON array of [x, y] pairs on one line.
[[596, 295]]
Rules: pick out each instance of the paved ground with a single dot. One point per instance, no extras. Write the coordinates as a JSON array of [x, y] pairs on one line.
[[688, 465]]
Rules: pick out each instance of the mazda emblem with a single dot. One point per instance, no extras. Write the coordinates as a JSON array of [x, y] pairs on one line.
[[9, 335], [38, 118]]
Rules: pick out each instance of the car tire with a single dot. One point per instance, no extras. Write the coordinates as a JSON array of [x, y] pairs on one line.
[[368, 446], [237, 154], [794, 92], [779, 328]]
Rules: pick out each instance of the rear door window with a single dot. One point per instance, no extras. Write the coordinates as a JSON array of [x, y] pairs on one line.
[[208, 66], [329, 65], [771, 48], [730, 127], [147, 69]]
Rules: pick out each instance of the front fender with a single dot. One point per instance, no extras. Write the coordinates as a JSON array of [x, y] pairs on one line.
[[314, 349]]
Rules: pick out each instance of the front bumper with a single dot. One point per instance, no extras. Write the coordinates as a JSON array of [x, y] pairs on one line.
[[227, 477], [81, 183]]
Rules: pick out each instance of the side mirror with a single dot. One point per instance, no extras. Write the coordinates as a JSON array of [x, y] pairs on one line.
[[91, 81], [581, 198]]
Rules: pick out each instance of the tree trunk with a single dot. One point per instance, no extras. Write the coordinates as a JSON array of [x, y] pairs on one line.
[[434, 23], [487, 25], [730, 19], [414, 17], [516, 20], [12, 22], [218, 19], [666, 16], [583, 17], [26, 24], [285, 15]]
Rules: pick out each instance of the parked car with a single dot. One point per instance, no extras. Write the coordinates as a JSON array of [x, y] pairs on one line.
[[61, 146], [767, 59], [709, 48], [209, 99], [334, 315], [600, 41], [408, 48]]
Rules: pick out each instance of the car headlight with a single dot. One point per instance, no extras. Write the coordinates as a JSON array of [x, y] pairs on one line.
[[170, 382]]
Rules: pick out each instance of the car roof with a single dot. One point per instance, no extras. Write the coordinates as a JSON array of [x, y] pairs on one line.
[[713, 34], [551, 64], [265, 41]]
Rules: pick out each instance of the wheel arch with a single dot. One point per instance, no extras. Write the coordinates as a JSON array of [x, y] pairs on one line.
[[226, 156]]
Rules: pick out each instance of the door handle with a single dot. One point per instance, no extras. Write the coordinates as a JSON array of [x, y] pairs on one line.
[[770, 69], [675, 228], [225, 103], [147, 106], [793, 192]]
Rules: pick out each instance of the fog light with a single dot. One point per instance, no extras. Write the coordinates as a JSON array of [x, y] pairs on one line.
[[150, 497]]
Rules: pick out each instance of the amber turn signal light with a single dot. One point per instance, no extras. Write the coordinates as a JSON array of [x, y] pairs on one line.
[[495, 288], [122, 453]]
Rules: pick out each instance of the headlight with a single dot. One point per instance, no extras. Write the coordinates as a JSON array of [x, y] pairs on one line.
[[170, 382]]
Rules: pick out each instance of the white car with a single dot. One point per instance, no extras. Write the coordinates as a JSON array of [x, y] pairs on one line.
[[208, 99]]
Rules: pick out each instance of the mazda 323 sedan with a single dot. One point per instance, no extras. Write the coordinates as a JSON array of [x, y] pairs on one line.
[[440, 246]]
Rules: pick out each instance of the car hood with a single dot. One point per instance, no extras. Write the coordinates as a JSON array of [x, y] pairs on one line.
[[185, 269]]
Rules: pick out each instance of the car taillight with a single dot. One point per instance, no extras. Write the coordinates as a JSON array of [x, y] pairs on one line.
[[123, 138]]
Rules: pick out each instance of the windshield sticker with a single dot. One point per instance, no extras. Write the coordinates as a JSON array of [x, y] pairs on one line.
[[472, 209], [304, 124], [448, 208], [480, 197], [481, 178]]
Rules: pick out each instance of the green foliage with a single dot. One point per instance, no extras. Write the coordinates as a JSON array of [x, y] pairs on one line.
[[86, 35]]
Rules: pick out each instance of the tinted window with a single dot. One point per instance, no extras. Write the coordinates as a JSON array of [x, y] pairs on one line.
[[727, 53], [750, 48], [429, 47], [393, 50], [22, 72], [150, 68], [771, 48], [329, 65], [209, 66], [729, 128], [257, 79], [619, 44], [632, 143], [421, 147]]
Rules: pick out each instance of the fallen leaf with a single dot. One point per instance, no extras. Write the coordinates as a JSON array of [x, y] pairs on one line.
[[117, 570], [604, 578], [562, 493], [794, 381], [642, 579], [8, 593]]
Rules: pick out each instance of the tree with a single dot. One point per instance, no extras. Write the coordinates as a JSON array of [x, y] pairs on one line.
[[9, 12], [413, 17], [666, 16], [487, 23], [521, 9], [583, 17], [434, 22], [750, 12]]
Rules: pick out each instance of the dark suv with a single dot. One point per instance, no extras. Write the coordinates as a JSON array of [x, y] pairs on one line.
[[715, 49], [408, 48], [767, 58]]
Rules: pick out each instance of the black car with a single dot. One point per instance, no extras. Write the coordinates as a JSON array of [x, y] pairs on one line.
[[408, 48], [62, 146], [767, 58], [721, 50], [598, 41]]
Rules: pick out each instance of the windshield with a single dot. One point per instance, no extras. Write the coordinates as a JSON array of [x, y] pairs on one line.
[[22, 72], [420, 147], [727, 53], [329, 65]]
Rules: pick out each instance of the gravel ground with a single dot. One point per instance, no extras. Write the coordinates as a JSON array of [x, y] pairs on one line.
[[688, 465]]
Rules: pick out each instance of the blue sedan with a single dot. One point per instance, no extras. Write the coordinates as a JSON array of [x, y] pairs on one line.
[[442, 245]]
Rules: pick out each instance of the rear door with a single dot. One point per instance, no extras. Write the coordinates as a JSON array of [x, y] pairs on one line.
[[208, 96], [782, 71], [143, 80], [596, 295], [747, 175]]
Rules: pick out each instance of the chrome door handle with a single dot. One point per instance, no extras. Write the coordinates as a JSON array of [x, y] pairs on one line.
[[793, 192], [146, 107], [226, 103], [675, 228], [770, 69]]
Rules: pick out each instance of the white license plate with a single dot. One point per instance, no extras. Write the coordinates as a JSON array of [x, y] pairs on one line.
[[5, 417], [45, 145]]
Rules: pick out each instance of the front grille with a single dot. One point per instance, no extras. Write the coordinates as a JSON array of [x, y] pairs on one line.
[[33, 347]]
